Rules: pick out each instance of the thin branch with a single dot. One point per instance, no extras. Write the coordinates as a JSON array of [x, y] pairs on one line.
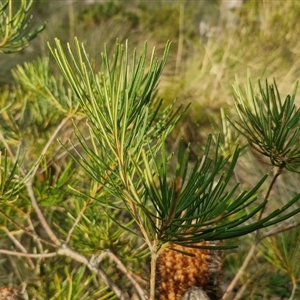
[[48, 144], [37, 239], [64, 250], [40, 215], [244, 287], [129, 275], [81, 214], [277, 174], [271, 232], [15, 269], [54, 134], [258, 238], [90, 263], [35, 205], [32, 255], [59, 155], [77, 220], [293, 290], [240, 272], [19, 246], [34, 235]]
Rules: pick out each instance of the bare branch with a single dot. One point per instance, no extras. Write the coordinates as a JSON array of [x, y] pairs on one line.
[[86, 204], [122, 267], [64, 250], [32, 255], [48, 144], [19, 246], [90, 263], [277, 231], [40, 215], [34, 235], [35, 205], [258, 238], [240, 271]]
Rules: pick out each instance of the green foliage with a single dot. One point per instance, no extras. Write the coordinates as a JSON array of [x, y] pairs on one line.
[[124, 192], [10, 183], [194, 205], [270, 125], [48, 91], [128, 157], [15, 31], [283, 252]]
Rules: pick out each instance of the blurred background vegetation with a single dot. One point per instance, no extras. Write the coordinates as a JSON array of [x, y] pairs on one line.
[[209, 51]]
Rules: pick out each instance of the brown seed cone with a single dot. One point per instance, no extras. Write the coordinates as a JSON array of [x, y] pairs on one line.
[[8, 293], [178, 272]]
